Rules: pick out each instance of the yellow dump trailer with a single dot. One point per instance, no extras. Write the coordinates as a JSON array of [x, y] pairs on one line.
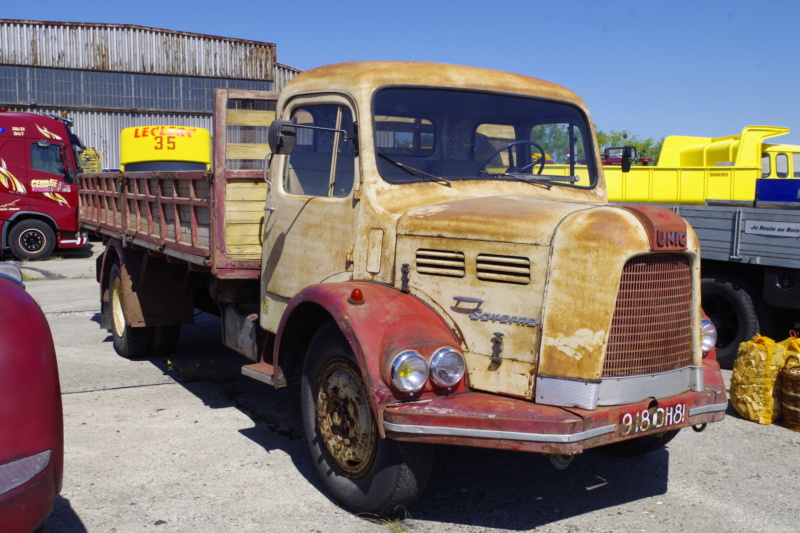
[[691, 170]]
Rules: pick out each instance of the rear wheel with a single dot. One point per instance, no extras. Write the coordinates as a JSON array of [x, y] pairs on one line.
[[129, 342], [366, 473], [737, 312], [640, 445], [32, 240]]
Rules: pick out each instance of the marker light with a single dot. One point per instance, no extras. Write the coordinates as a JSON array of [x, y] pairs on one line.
[[709, 335], [409, 371], [447, 367], [356, 297]]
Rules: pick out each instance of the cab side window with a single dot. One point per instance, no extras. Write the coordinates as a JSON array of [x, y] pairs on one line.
[[782, 166], [323, 162], [47, 159], [765, 168]]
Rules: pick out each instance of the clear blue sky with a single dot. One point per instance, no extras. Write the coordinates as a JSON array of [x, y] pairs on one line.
[[701, 68]]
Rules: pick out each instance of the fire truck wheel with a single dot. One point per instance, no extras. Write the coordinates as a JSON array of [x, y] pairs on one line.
[[129, 342], [640, 445], [366, 473], [737, 311], [32, 240]]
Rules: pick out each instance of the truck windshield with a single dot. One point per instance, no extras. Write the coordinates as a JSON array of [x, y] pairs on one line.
[[445, 135]]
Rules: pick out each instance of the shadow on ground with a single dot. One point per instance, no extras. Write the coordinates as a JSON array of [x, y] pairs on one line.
[[474, 487]]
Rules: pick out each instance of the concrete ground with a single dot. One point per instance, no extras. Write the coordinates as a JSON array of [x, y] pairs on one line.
[[184, 443]]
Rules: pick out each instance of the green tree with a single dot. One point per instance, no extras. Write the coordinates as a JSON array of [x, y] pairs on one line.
[[647, 147]]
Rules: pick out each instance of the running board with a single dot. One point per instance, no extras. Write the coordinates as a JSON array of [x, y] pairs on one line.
[[264, 372]]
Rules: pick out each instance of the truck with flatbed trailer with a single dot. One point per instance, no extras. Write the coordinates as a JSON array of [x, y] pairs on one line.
[[388, 236], [39, 161], [741, 195]]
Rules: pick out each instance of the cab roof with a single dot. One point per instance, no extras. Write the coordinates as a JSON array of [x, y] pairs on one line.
[[360, 79]]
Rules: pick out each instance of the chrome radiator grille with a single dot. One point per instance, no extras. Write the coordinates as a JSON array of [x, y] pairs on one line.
[[651, 328]]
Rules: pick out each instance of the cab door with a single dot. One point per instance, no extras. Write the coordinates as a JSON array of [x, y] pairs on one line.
[[310, 230], [14, 182]]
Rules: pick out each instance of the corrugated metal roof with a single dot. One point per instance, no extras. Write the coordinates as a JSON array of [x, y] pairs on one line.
[[128, 48]]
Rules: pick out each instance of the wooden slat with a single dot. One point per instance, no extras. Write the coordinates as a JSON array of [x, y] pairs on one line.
[[245, 197], [245, 217], [250, 117], [246, 151]]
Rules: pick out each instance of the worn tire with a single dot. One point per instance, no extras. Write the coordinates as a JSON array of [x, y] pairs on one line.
[[367, 474], [129, 342], [737, 311], [32, 240], [640, 445]]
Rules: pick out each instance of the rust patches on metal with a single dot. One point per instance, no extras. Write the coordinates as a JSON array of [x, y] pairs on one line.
[[666, 230], [344, 418]]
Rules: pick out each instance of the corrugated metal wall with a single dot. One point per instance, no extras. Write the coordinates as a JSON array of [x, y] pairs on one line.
[[283, 74], [125, 48], [130, 49]]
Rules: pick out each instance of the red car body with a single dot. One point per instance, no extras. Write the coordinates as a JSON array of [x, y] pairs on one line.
[[32, 434]]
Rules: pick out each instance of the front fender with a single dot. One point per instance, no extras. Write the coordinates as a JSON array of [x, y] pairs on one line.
[[385, 323]]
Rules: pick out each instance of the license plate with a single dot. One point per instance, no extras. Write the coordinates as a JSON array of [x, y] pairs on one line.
[[651, 419]]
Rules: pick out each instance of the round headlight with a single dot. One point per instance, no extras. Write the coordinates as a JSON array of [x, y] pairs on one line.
[[709, 335], [447, 367], [409, 371]]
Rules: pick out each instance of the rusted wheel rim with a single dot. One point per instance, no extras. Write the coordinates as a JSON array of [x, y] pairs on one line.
[[32, 241], [117, 317], [344, 418]]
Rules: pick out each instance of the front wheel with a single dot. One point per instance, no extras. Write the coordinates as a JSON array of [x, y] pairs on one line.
[[129, 342], [366, 473], [32, 240]]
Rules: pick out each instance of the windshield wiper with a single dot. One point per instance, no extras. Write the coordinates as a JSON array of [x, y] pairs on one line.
[[548, 181], [415, 171], [516, 177]]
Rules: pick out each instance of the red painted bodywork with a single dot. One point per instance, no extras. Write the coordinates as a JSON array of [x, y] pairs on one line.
[[487, 412], [384, 324], [30, 409], [389, 321], [26, 192]]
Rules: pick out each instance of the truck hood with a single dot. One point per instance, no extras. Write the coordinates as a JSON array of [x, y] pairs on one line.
[[494, 218]]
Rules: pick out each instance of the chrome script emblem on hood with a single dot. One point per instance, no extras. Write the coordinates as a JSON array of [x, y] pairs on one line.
[[477, 313]]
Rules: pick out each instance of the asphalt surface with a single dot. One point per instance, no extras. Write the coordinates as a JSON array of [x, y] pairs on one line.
[[185, 443]]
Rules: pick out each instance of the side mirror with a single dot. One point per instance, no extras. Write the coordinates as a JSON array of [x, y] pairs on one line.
[[282, 137], [627, 158]]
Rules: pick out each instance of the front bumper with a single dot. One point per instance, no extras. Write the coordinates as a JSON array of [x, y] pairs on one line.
[[73, 240], [492, 421]]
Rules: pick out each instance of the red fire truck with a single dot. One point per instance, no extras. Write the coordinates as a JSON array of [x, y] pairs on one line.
[[38, 188]]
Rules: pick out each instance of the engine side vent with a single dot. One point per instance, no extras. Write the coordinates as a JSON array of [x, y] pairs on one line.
[[651, 327], [504, 268], [440, 263]]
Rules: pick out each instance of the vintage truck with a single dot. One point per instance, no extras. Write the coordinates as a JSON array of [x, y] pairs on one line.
[[38, 194], [387, 236], [742, 197]]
